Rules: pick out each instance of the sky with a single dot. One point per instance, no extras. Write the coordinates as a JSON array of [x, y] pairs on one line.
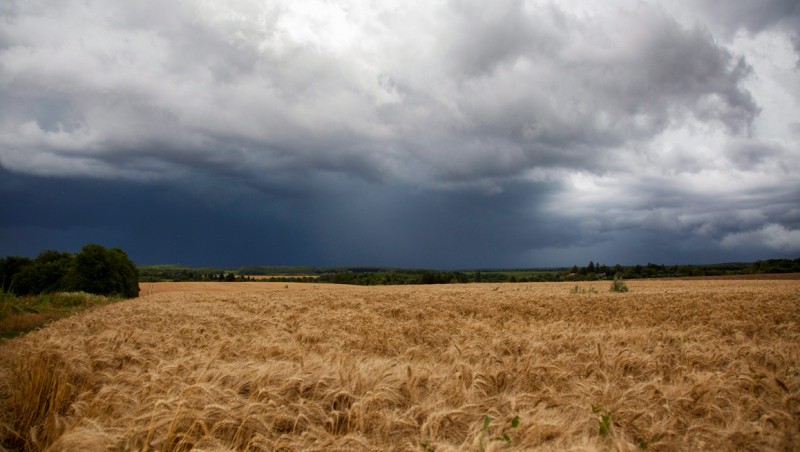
[[435, 134]]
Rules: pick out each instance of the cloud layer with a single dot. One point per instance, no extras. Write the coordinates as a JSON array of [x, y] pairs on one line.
[[587, 125]]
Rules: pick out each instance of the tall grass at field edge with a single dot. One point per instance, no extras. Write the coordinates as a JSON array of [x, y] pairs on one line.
[[19, 315]]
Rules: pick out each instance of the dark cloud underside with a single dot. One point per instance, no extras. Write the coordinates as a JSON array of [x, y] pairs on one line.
[[424, 134]]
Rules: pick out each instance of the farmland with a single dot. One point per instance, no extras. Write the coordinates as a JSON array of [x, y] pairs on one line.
[[672, 364]]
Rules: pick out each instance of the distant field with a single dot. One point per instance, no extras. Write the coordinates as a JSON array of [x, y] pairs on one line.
[[270, 277], [150, 288], [781, 276], [671, 365]]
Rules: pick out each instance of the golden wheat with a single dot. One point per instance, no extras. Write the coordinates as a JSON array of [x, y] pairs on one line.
[[670, 365]]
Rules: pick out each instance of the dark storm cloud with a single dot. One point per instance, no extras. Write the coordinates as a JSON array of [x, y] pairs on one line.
[[154, 224], [462, 131], [346, 226]]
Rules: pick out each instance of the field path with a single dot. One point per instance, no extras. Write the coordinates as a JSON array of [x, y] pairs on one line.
[[145, 288]]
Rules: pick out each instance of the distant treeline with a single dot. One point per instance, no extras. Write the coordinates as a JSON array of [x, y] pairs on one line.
[[394, 276], [94, 270], [600, 271], [159, 273]]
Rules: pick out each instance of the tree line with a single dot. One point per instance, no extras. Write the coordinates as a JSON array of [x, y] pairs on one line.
[[164, 273], [399, 276], [94, 270], [590, 272], [650, 270]]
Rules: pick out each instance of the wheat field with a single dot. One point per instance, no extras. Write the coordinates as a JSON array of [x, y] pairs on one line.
[[670, 365]]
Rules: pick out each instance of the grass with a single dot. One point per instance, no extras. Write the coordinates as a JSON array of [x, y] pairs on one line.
[[19, 315], [603, 420], [580, 290], [671, 365], [504, 437]]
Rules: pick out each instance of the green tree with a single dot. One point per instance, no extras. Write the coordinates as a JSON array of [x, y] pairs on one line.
[[105, 272], [49, 272], [125, 274], [9, 267]]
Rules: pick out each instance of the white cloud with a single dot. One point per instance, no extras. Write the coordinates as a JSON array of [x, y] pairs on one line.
[[772, 236], [496, 89]]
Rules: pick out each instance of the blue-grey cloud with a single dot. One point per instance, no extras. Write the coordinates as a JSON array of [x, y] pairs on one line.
[[468, 132], [753, 15]]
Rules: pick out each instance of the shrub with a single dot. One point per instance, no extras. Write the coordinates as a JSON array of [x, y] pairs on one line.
[[619, 285]]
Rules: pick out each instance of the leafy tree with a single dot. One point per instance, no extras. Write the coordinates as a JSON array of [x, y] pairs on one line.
[[124, 273], [49, 272], [105, 272], [430, 277], [9, 267]]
